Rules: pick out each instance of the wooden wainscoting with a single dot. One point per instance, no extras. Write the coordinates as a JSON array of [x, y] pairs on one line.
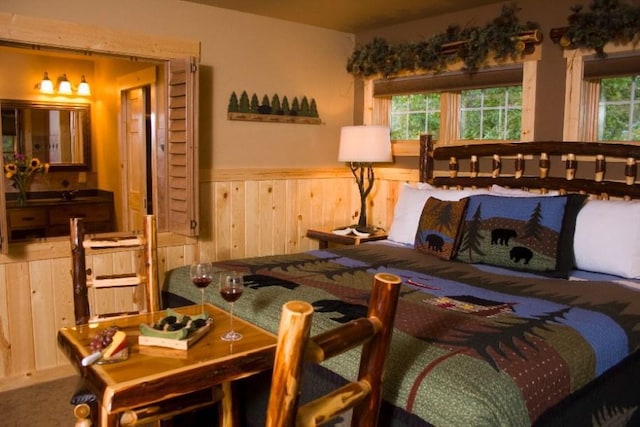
[[36, 299], [243, 212], [267, 212]]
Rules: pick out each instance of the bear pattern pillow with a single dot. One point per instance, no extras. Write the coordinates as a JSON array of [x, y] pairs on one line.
[[522, 233], [409, 207], [439, 225]]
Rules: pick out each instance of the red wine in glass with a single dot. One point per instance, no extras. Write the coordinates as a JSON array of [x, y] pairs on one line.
[[231, 287], [231, 294], [201, 276], [201, 282]]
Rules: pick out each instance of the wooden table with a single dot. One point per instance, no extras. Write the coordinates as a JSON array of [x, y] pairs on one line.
[[328, 236], [155, 374]]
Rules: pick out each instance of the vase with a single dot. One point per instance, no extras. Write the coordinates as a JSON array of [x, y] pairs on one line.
[[22, 198], [20, 183]]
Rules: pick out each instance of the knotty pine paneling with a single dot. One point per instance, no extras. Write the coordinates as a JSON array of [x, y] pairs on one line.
[[267, 216], [36, 299], [243, 214]]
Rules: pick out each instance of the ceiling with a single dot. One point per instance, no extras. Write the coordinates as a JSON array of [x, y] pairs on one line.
[[349, 16]]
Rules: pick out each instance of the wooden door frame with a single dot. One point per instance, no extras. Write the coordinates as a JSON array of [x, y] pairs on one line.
[[138, 79]]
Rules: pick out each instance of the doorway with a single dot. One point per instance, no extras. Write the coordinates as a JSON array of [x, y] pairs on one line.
[[136, 148]]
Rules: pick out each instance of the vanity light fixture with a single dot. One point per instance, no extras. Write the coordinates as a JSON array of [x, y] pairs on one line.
[[64, 85], [83, 88], [46, 85]]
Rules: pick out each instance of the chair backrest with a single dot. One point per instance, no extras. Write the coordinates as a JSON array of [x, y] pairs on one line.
[[143, 281], [294, 347]]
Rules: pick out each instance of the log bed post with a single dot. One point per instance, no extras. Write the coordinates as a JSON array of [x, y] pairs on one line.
[[426, 161]]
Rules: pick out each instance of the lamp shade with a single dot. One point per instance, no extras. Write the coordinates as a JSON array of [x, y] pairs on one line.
[[46, 85], [83, 88], [365, 144], [64, 87]]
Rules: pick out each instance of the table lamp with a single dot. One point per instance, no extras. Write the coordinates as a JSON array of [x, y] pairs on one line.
[[362, 146]]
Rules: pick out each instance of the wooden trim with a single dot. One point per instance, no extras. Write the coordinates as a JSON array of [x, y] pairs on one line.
[[222, 175], [447, 81], [66, 35], [408, 148], [383, 172], [528, 107], [274, 118]]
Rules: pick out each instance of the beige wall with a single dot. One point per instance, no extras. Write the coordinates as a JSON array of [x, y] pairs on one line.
[[239, 52]]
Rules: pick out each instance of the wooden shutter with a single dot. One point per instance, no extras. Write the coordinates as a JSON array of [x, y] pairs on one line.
[[182, 147]]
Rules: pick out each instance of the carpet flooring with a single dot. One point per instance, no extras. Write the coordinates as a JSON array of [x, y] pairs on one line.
[[47, 405], [43, 405]]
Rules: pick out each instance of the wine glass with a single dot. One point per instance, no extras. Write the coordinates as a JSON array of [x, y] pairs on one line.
[[231, 287], [201, 276]]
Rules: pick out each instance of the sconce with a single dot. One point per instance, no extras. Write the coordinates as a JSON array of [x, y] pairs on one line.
[[46, 85], [64, 86], [83, 88]]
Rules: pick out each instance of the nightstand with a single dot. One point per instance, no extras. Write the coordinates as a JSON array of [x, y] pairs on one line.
[[325, 237]]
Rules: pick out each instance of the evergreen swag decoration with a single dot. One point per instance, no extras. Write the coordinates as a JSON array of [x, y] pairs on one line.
[[606, 21], [503, 37]]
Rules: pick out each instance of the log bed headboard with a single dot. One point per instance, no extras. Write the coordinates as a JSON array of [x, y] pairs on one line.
[[599, 169]]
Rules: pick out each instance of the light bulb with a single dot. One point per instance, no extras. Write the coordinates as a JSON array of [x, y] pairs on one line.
[[64, 87], [46, 85], [83, 88]]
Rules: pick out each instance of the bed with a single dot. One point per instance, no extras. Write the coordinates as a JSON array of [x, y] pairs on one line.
[[518, 307]]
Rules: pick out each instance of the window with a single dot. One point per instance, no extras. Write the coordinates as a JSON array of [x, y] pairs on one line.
[[484, 114], [619, 109], [493, 113], [495, 105], [413, 115]]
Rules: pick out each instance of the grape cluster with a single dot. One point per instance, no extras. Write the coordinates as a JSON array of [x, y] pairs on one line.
[[102, 339]]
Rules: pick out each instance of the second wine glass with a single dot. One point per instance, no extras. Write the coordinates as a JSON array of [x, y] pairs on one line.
[[231, 288], [201, 276]]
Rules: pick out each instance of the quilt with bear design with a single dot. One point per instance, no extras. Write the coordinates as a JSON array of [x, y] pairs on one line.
[[473, 345]]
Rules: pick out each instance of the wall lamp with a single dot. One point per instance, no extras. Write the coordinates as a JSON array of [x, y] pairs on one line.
[[64, 86], [362, 146]]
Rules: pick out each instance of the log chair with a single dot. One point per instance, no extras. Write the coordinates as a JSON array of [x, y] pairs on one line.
[[294, 347]]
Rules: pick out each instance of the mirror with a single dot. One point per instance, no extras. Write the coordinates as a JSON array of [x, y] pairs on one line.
[[57, 133]]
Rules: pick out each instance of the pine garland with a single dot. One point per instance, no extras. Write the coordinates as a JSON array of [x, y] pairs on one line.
[[606, 21], [471, 45]]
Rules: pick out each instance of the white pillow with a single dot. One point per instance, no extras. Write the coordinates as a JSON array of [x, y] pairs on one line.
[[607, 237], [408, 209], [516, 192]]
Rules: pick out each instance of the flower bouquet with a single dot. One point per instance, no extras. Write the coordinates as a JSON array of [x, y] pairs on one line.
[[20, 170]]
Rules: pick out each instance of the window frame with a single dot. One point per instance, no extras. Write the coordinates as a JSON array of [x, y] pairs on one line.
[[582, 97], [377, 107]]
